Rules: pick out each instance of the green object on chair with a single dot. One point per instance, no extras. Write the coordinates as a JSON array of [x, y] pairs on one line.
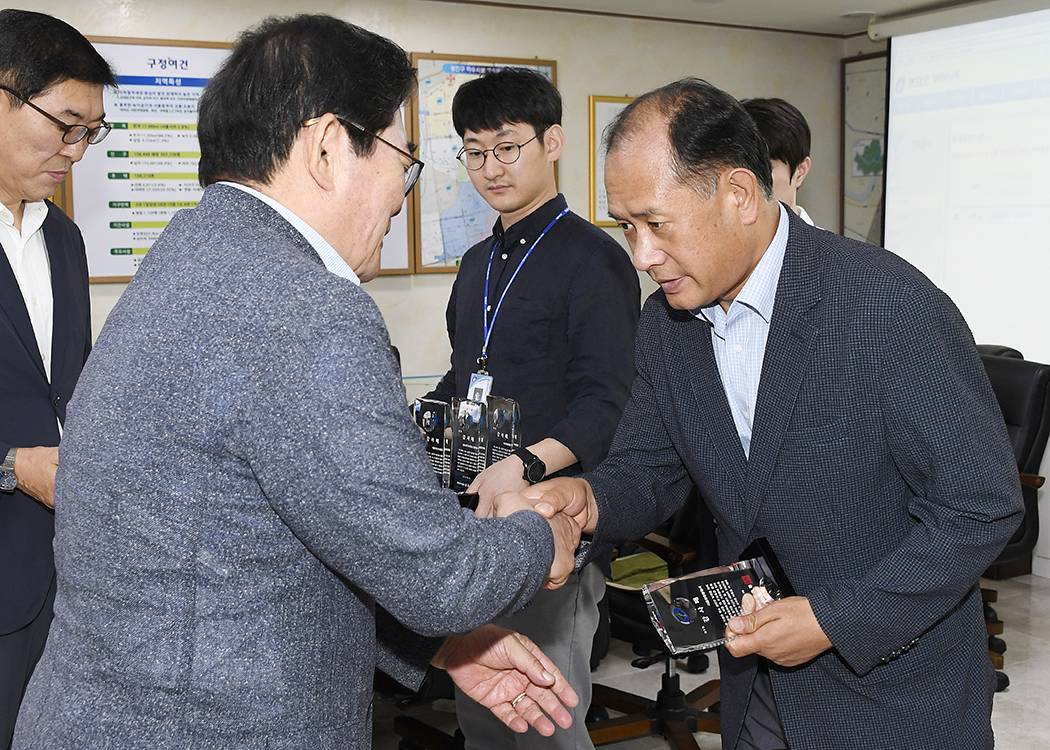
[[630, 572]]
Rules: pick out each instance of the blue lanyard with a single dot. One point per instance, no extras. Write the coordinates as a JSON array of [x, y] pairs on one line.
[[483, 360]]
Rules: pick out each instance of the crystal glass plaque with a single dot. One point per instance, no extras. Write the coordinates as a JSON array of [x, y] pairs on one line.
[[435, 420], [469, 441], [691, 612]]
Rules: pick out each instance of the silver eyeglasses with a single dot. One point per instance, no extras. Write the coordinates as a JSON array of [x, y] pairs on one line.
[[505, 153], [70, 133], [412, 171]]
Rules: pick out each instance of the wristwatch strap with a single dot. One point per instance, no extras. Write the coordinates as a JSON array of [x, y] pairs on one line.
[[535, 469], [8, 480]]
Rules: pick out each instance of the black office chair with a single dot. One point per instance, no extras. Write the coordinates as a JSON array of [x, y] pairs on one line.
[[1022, 389], [689, 545], [999, 350]]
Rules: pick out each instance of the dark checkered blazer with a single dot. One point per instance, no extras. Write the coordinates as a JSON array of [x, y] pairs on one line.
[[880, 470]]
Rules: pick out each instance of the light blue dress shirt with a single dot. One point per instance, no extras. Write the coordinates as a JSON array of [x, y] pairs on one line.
[[739, 335], [332, 260]]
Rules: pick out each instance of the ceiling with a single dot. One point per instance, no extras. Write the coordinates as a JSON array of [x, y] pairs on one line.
[[827, 17]]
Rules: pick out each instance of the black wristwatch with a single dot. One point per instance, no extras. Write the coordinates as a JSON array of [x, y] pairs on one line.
[[535, 469], [8, 480]]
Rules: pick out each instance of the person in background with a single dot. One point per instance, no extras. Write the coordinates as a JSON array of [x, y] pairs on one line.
[[549, 305], [787, 138], [820, 393], [51, 110], [248, 521]]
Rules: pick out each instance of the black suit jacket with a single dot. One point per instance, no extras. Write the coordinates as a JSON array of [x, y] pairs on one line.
[[880, 471], [29, 405]]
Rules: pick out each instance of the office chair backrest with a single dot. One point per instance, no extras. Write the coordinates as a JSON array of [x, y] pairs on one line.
[[999, 350], [1022, 389]]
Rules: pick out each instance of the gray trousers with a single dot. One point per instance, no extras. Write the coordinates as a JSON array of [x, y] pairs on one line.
[[562, 624]]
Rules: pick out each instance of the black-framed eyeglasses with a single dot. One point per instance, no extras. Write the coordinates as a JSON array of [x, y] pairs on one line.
[[412, 171], [505, 153], [70, 133]]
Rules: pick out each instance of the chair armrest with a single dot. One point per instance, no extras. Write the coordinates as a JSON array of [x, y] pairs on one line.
[[1032, 480], [673, 552]]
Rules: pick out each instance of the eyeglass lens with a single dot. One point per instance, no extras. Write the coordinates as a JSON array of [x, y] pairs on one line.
[[506, 152], [412, 176], [76, 133]]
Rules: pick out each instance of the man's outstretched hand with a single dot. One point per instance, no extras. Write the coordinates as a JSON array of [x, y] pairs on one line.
[[505, 672]]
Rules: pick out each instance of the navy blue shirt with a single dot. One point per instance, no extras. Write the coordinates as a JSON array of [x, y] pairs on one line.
[[563, 343]]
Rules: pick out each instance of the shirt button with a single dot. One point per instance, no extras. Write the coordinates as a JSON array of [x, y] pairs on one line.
[[738, 348], [521, 241], [504, 256], [489, 308]]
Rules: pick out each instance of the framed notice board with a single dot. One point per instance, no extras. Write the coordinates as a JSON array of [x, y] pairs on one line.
[[447, 214], [863, 146], [127, 188], [603, 109]]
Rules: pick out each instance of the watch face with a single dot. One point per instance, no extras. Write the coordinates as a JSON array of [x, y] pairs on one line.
[[536, 470], [8, 481]]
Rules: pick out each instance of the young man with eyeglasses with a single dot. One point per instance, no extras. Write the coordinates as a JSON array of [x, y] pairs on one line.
[[549, 305], [51, 82]]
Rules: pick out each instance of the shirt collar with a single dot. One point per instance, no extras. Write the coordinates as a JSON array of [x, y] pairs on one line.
[[33, 215], [760, 289], [529, 228], [332, 260]]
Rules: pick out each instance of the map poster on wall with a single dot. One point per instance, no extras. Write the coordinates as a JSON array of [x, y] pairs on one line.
[[863, 146], [603, 110], [449, 215], [126, 189]]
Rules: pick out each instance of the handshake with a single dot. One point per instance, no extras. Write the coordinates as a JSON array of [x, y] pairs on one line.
[[569, 506]]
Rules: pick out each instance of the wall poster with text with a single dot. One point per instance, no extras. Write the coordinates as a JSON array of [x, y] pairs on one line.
[[127, 188]]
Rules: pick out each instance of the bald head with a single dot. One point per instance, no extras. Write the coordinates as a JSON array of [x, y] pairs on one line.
[[706, 131]]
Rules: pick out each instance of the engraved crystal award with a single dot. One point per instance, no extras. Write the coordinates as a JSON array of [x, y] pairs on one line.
[[470, 448], [691, 612], [435, 420], [504, 428]]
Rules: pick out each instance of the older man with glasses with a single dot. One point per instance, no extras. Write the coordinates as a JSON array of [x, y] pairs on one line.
[[50, 110], [249, 524]]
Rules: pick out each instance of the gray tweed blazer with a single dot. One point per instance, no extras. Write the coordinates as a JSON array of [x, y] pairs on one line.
[[880, 470], [247, 521]]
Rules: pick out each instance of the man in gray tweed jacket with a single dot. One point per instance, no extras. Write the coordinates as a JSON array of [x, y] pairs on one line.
[[247, 524]]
